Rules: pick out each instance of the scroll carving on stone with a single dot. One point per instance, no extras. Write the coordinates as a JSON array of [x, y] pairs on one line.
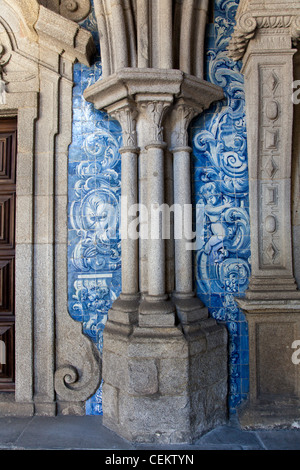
[[3, 63], [183, 116], [75, 10]]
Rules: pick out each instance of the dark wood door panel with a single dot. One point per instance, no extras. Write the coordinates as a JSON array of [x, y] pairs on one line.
[[7, 359], [6, 287], [7, 164], [8, 154], [7, 221]]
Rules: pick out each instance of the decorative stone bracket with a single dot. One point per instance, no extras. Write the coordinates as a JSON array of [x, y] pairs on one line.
[[251, 18]]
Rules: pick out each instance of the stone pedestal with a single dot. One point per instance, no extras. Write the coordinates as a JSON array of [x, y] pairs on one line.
[[164, 385], [274, 398]]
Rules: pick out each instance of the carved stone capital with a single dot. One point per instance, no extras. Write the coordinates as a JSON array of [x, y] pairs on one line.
[[249, 20], [125, 113], [153, 109], [182, 115], [244, 31]]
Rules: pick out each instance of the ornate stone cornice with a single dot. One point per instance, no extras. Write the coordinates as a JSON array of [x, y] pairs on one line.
[[249, 21]]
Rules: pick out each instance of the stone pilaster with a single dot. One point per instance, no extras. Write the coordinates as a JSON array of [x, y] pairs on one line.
[[263, 38]]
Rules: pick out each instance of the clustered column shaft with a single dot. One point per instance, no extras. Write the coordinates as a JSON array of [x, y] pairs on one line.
[[150, 113], [182, 115], [126, 114]]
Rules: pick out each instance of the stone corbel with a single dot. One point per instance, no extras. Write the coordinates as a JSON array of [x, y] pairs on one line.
[[64, 36], [244, 31]]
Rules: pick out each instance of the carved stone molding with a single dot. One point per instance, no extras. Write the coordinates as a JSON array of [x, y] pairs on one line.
[[147, 34], [65, 36]]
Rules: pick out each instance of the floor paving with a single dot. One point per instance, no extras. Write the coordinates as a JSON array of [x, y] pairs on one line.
[[88, 433]]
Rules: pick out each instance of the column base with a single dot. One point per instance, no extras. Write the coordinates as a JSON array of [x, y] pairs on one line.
[[271, 289], [275, 415], [191, 312], [156, 312], [9, 407], [125, 309], [161, 385], [274, 326]]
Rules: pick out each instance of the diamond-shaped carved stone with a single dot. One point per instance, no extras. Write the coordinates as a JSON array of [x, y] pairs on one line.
[[272, 252], [271, 168], [273, 81]]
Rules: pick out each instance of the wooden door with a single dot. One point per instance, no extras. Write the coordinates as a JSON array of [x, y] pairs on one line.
[[8, 152]]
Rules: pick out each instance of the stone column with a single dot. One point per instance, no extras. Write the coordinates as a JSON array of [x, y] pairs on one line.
[[165, 369], [272, 302], [156, 304], [125, 112], [182, 199], [189, 308]]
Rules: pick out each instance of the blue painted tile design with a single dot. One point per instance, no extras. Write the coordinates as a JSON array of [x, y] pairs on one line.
[[220, 180], [94, 187]]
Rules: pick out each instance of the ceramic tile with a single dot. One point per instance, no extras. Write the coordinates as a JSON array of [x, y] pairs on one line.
[[220, 185]]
